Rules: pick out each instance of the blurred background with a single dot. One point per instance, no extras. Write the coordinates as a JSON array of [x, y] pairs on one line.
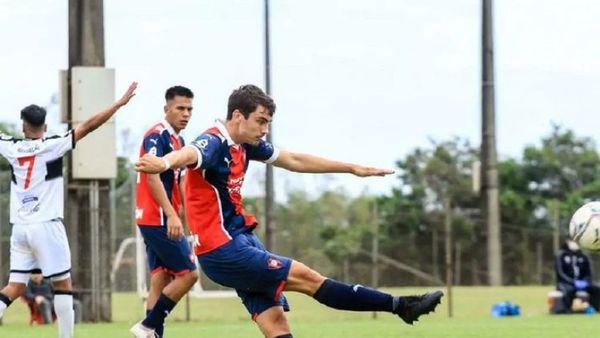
[[394, 84]]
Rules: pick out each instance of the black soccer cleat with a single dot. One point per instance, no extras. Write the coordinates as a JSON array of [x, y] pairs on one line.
[[415, 306]]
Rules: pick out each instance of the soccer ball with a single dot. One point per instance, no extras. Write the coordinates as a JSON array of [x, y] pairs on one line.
[[585, 226]]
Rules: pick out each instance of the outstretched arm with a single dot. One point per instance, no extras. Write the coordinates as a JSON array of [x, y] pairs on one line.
[[304, 163], [155, 165], [99, 118]]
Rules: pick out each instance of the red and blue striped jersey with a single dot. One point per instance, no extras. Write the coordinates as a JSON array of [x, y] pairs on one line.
[[213, 199], [159, 140]]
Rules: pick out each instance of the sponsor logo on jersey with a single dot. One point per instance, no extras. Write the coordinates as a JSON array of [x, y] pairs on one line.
[[201, 144], [29, 205], [234, 185]]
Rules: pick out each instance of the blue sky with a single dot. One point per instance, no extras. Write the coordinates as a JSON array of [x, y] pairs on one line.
[[361, 81]]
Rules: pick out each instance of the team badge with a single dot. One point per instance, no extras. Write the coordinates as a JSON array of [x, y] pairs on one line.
[[274, 264]]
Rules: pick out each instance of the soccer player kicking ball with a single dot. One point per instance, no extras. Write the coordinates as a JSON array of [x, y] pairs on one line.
[[38, 240], [158, 201], [228, 251]]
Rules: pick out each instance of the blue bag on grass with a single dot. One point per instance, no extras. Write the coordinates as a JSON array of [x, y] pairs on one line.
[[505, 309]]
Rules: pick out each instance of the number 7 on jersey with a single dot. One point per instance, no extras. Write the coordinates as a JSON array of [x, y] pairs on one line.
[[28, 161]]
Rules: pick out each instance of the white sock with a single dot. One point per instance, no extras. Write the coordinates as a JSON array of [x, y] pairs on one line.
[[2, 308], [63, 306]]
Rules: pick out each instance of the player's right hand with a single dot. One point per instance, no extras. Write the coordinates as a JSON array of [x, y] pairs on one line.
[[362, 171], [150, 164], [174, 227]]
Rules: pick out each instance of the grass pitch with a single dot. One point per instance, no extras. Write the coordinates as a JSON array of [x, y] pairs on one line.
[[228, 319]]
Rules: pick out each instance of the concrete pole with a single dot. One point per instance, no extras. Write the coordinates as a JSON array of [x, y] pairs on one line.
[[87, 206], [488, 151]]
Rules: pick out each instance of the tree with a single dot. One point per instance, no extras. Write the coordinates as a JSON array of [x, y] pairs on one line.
[[434, 186], [563, 165]]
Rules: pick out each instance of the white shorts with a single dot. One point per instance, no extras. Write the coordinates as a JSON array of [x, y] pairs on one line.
[[39, 246]]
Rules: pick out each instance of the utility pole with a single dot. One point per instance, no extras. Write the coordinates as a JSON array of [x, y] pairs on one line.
[[489, 170], [270, 225], [448, 245], [375, 252], [87, 205]]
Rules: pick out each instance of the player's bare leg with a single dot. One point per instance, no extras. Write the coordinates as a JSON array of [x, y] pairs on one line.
[[63, 306], [9, 293], [357, 297], [158, 281], [273, 323]]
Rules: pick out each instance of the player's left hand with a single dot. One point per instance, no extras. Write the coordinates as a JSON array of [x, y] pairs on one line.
[[128, 95], [370, 171], [150, 164]]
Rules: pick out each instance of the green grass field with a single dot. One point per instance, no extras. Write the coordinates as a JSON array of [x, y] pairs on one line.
[[227, 318]]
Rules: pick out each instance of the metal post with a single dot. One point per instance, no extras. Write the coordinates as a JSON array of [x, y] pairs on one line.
[[94, 249], [556, 230], [270, 225], [375, 252], [448, 242], [539, 258]]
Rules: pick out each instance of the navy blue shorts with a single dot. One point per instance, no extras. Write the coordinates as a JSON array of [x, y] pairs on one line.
[[245, 265], [173, 257]]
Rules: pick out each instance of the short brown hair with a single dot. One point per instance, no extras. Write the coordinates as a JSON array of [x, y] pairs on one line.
[[246, 98]]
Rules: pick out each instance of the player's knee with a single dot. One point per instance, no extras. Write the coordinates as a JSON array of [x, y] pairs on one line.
[[160, 279], [13, 290], [62, 282], [279, 323], [273, 322], [192, 277]]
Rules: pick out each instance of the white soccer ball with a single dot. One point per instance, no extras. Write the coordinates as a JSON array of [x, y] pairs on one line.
[[585, 226]]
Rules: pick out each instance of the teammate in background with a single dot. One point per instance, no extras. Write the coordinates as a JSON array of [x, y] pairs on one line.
[[38, 239], [158, 202], [228, 251]]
